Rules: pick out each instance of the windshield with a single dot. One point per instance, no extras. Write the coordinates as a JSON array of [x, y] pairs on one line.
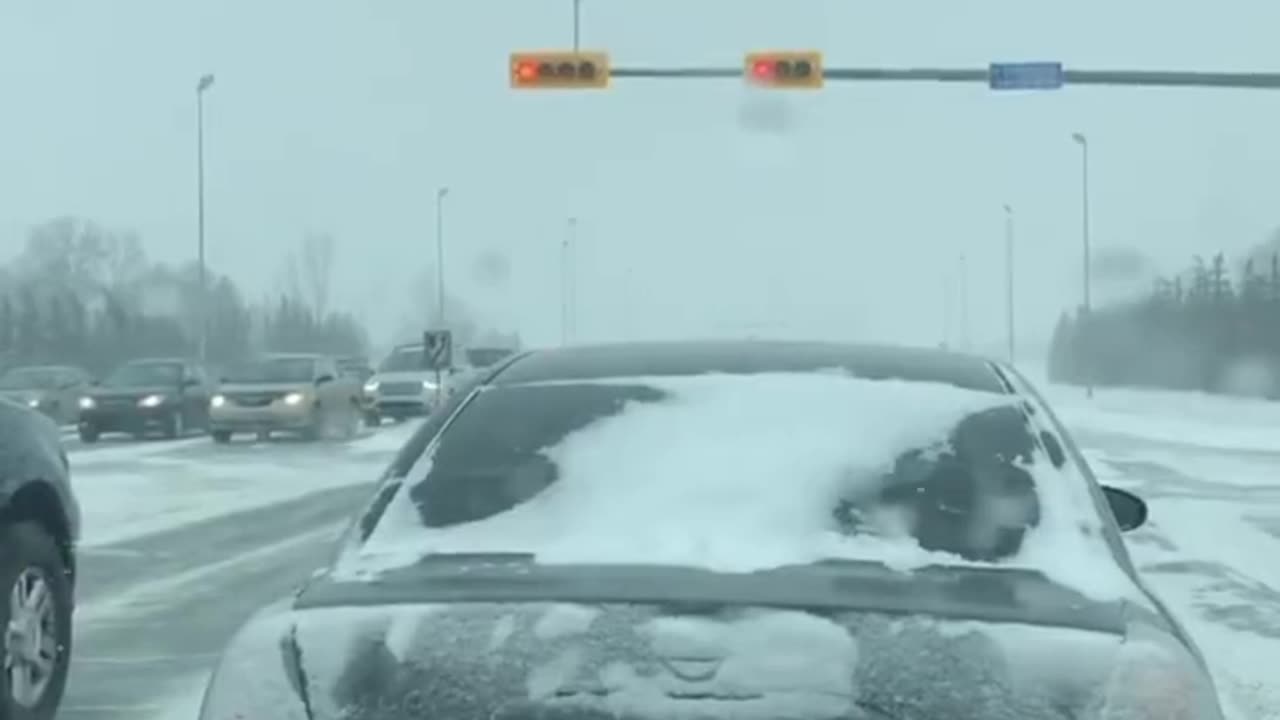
[[408, 359], [693, 470], [29, 379], [145, 374], [273, 370]]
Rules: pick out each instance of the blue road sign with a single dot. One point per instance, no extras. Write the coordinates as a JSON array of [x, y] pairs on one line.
[[1025, 76]]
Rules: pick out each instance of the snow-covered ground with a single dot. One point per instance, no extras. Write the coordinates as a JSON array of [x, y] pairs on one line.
[[136, 489]]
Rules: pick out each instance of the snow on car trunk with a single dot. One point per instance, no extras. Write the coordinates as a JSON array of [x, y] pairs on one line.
[[738, 473]]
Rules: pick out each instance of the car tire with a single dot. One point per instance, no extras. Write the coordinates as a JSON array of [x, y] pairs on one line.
[[89, 434], [315, 426], [372, 419], [31, 560], [222, 437]]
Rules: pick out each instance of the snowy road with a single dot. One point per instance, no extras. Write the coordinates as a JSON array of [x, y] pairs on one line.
[[180, 548], [185, 539]]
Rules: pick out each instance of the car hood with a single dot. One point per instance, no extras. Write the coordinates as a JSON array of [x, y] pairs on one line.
[[23, 396], [492, 639], [261, 388], [405, 376]]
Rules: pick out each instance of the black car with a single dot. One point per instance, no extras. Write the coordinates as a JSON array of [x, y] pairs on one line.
[[164, 395], [729, 530], [39, 526]]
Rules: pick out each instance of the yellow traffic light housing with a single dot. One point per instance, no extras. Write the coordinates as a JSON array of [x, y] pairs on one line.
[[784, 69], [559, 70]]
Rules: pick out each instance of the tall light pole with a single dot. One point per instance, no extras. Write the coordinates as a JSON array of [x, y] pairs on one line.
[[441, 194], [1083, 142], [964, 303], [202, 87], [1008, 268], [577, 12], [566, 280]]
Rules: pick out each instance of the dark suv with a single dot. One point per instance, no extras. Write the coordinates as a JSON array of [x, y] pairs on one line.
[[39, 525]]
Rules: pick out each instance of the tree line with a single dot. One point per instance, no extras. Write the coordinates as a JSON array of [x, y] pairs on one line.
[[84, 295], [1207, 328]]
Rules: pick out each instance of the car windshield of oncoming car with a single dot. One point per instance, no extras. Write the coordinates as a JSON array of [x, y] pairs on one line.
[[403, 360], [742, 473], [274, 370], [29, 379], [144, 374]]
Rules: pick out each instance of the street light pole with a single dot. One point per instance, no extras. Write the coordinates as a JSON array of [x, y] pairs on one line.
[[566, 280], [1008, 262], [1083, 142], [964, 303], [202, 86], [441, 194], [577, 13]]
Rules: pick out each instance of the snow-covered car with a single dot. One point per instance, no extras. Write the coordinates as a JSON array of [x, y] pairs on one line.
[[39, 526], [54, 390], [729, 530]]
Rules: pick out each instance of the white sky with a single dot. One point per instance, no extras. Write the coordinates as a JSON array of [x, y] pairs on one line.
[[344, 115]]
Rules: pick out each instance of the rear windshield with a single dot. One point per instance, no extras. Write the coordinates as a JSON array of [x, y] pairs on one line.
[[737, 472]]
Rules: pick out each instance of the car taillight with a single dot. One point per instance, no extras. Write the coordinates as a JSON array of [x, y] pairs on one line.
[[1156, 678]]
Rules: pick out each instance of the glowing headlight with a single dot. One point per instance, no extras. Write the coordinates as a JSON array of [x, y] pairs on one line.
[[294, 398], [428, 385], [371, 386], [33, 402], [217, 401], [151, 401], [87, 403]]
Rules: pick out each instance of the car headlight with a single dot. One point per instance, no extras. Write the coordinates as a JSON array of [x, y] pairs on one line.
[[87, 403], [371, 386], [428, 385], [294, 398], [217, 401], [33, 402], [151, 401]]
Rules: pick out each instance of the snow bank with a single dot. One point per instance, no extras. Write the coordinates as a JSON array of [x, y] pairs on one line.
[[742, 473]]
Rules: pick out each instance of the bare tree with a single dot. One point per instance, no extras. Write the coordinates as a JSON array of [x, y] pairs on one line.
[[317, 270]]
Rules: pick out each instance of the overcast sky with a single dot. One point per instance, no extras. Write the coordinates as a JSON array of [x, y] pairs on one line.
[[705, 209]]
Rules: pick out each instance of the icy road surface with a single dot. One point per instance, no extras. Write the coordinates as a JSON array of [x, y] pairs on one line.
[[158, 606], [183, 540]]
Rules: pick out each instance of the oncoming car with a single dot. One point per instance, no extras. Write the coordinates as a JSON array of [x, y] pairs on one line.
[[729, 530], [297, 393]]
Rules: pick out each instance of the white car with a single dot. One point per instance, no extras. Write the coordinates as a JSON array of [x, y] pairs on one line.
[[402, 387]]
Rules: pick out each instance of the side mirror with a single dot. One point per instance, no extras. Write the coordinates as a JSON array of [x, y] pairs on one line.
[[1129, 510], [189, 382], [324, 379]]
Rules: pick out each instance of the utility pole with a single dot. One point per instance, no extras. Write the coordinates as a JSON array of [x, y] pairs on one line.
[[1008, 263], [577, 16], [964, 303], [202, 86], [567, 280], [1086, 315], [441, 194]]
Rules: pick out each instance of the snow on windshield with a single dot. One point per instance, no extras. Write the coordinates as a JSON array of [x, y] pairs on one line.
[[746, 473]]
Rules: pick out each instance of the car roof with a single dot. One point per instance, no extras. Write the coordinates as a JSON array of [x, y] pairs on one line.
[[640, 359], [293, 356]]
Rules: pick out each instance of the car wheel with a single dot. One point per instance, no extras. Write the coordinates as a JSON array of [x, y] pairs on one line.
[[175, 426], [372, 419], [315, 426], [36, 616], [222, 437], [89, 434]]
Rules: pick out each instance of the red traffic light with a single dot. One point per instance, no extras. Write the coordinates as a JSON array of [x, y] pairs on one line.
[[763, 69], [527, 71]]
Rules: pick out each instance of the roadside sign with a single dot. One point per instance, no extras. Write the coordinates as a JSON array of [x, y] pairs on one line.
[[437, 349], [1026, 76]]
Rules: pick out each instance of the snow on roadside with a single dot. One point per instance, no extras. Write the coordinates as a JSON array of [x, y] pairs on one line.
[[149, 493], [184, 702]]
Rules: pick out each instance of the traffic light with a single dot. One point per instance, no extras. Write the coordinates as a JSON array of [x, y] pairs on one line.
[[784, 69], [552, 70]]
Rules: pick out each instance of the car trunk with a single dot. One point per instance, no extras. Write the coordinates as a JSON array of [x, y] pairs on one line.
[[509, 640]]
